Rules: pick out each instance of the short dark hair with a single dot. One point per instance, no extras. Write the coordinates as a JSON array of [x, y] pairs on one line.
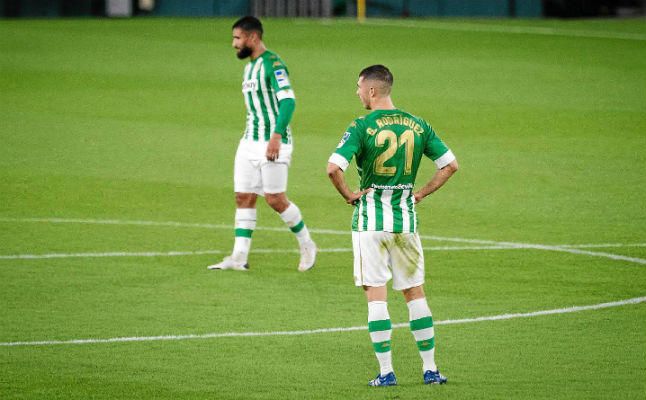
[[379, 73], [249, 24]]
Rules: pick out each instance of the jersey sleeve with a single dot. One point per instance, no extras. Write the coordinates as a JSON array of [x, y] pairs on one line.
[[279, 79], [348, 147], [436, 150]]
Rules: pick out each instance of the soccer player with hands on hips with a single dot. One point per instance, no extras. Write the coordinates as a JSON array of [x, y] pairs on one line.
[[388, 145], [264, 153]]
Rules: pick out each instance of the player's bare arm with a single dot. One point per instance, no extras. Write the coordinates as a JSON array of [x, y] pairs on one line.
[[437, 181], [335, 173]]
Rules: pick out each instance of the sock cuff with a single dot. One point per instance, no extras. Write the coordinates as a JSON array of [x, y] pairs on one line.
[[418, 308], [378, 311], [291, 209], [245, 214], [291, 215]]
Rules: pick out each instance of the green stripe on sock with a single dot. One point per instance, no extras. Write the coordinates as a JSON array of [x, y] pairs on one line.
[[422, 323], [382, 325], [426, 345], [244, 232], [298, 227], [381, 347]]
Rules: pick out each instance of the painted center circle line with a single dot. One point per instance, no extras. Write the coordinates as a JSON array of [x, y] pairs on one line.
[[501, 317], [512, 245], [564, 248]]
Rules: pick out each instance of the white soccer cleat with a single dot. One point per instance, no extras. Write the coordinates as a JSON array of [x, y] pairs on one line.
[[230, 263], [308, 256]]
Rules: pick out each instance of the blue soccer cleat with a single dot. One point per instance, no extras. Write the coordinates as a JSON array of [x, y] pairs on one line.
[[386, 380], [434, 377]]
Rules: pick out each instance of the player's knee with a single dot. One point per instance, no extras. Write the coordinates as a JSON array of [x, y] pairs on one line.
[[413, 293], [245, 200], [278, 201]]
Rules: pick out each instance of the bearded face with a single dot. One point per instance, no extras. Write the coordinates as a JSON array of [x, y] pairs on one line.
[[244, 52], [243, 43]]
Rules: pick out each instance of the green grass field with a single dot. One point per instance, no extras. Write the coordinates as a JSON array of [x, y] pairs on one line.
[[109, 129]]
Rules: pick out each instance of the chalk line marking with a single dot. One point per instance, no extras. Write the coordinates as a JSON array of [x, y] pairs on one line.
[[496, 245], [183, 253], [156, 223], [119, 222], [559, 248], [566, 310], [484, 244], [108, 254], [602, 245], [202, 252]]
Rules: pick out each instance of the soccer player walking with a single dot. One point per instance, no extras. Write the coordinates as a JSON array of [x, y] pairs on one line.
[[388, 145], [265, 150]]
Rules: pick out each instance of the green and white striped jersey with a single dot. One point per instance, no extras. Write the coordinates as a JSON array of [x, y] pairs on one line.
[[265, 83], [388, 146]]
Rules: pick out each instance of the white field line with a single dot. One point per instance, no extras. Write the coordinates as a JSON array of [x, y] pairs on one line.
[[602, 245], [526, 30], [117, 222], [108, 254], [182, 253], [202, 252], [577, 251], [559, 248], [173, 224], [497, 245], [635, 300]]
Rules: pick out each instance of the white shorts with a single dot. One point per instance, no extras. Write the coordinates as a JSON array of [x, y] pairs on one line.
[[253, 173], [381, 256]]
